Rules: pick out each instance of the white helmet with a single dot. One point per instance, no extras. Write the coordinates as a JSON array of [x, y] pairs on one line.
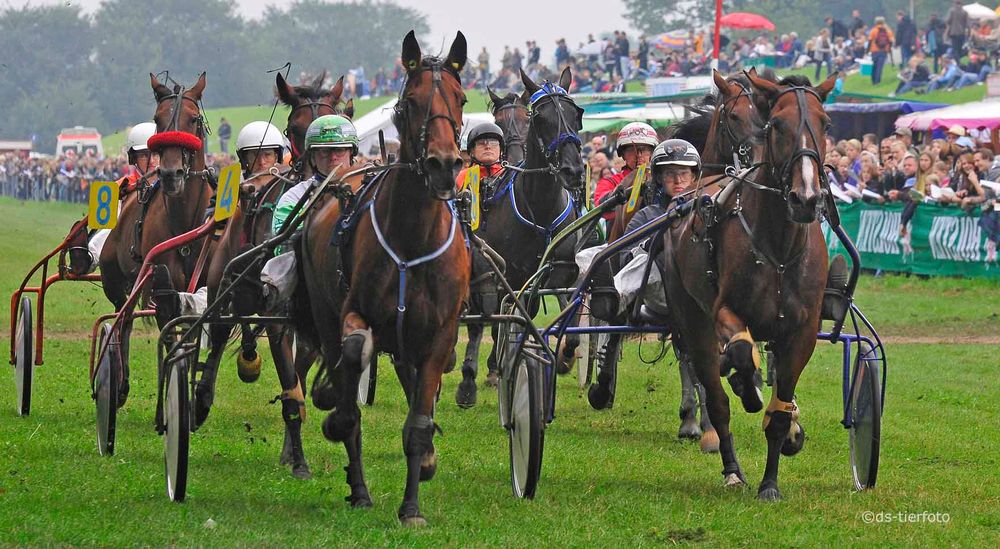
[[636, 133], [137, 137], [260, 135]]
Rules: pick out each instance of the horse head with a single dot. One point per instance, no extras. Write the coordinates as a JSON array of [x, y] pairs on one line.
[[736, 118], [428, 114], [795, 142], [553, 133], [180, 133], [308, 102], [511, 114]]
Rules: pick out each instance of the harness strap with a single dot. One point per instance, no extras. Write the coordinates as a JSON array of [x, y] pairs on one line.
[[547, 232], [403, 265], [776, 405]]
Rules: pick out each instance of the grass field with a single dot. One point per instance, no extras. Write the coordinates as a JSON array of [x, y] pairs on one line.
[[610, 479]]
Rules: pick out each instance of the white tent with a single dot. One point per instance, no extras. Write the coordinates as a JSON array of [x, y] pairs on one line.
[[380, 118], [979, 11]]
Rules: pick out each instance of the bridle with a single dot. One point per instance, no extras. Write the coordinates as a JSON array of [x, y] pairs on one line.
[[512, 133], [314, 106], [201, 129], [782, 172], [557, 97], [401, 116], [742, 148]]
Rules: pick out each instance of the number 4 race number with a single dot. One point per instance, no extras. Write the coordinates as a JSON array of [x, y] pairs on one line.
[[229, 191], [103, 210]]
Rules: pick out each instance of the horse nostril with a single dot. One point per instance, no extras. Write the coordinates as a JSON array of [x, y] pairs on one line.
[[433, 163], [457, 164]]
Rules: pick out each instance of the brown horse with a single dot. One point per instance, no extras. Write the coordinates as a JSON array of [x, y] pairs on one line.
[[173, 206], [724, 135], [249, 226], [754, 267], [406, 272]]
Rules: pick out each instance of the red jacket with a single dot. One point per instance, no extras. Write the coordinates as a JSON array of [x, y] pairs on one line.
[[608, 184], [484, 171]]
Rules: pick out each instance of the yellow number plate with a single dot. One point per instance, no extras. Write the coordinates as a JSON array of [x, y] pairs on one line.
[[640, 178], [229, 192], [472, 183], [103, 211]]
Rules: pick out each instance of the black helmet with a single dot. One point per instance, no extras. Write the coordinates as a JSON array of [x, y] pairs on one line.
[[482, 131], [676, 152]]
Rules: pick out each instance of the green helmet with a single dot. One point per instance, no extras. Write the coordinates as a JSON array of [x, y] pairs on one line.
[[332, 130]]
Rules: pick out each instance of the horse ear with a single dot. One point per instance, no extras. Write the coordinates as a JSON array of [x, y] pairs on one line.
[[529, 85], [720, 83], [285, 92], [318, 82], [566, 79], [411, 52], [349, 109], [198, 87], [458, 53], [494, 99], [159, 90], [337, 90], [827, 86], [768, 90]]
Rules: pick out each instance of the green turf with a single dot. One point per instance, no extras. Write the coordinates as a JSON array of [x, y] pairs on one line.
[[856, 83], [610, 479]]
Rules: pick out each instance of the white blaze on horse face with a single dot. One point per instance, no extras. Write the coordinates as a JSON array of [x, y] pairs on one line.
[[808, 173]]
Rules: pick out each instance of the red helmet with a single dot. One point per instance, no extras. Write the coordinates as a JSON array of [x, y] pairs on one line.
[[636, 133]]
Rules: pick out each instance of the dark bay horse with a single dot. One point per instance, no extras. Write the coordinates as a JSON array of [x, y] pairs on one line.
[[249, 226], [754, 267], [724, 134], [174, 205], [534, 202], [398, 282]]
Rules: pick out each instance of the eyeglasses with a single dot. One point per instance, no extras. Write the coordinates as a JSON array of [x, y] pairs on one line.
[[488, 143], [676, 175]]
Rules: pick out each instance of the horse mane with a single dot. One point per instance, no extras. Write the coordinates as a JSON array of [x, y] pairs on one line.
[[695, 129], [795, 80], [313, 91]]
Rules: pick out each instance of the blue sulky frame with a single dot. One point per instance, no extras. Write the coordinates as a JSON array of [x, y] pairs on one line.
[[861, 342]]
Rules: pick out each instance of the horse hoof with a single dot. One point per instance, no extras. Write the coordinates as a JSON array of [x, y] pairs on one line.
[[465, 396], [747, 387], [123, 390], [770, 493], [564, 361], [248, 368], [710, 442], [732, 480], [337, 428], [285, 458], [416, 521], [599, 397], [492, 379], [302, 472], [689, 430], [797, 439], [359, 499], [428, 466]]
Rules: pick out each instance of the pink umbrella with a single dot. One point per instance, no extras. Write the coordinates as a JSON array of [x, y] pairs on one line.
[[745, 20]]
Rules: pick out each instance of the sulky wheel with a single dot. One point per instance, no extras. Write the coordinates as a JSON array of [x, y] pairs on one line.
[[106, 382], [866, 418], [24, 358], [366, 385], [526, 427], [177, 418]]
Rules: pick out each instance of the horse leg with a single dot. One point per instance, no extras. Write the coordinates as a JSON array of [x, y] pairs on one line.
[[465, 396], [248, 360], [781, 424], [293, 404], [343, 424], [493, 376], [601, 394], [418, 433], [689, 399], [204, 391], [566, 354], [739, 354]]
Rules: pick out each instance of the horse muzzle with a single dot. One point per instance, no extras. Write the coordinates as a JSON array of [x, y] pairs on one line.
[[172, 181], [805, 207]]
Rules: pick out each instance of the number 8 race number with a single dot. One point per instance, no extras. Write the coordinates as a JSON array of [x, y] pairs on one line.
[[103, 210]]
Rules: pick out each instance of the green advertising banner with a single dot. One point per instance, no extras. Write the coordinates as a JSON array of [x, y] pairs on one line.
[[941, 240]]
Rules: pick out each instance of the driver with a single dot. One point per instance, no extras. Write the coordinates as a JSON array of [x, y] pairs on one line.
[[635, 146], [486, 150]]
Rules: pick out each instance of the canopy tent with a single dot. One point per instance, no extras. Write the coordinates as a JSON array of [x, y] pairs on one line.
[[979, 114], [853, 119], [593, 48], [979, 11]]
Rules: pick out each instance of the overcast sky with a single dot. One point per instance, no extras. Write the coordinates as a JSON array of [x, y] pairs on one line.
[[520, 20]]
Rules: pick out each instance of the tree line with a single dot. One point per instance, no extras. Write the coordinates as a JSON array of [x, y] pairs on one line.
[[60, 67]]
